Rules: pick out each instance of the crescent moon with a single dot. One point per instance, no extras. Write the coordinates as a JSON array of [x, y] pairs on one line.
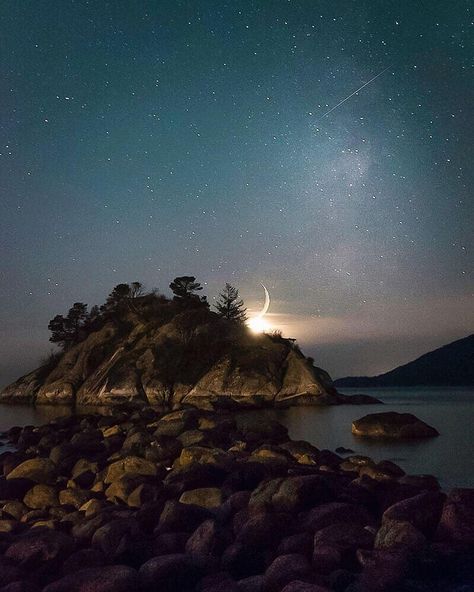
[[266, 306]]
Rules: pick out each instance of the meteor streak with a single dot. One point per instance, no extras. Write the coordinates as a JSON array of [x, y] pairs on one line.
[[355, 92]]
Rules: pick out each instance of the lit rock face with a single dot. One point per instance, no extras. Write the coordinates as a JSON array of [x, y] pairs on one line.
[[162, 364]]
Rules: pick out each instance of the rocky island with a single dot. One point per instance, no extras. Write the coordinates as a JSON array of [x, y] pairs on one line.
[[171, 352]]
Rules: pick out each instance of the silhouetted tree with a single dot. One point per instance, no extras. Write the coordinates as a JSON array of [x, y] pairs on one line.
[[184, 289], [136, 290], [69, 330], [229, 306]]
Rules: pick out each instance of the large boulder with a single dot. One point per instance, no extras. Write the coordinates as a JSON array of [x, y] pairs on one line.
[[40, 547], [392, 425], [39, 470], [422, 511]]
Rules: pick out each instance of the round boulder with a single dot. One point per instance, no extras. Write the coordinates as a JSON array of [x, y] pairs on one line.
[[392, 425]]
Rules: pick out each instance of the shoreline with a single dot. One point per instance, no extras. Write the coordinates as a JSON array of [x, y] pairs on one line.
[[180, 498]]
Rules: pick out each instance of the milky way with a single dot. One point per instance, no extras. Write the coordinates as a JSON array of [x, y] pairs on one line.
[[144, 140]]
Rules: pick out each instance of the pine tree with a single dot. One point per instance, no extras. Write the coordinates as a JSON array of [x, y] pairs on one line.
[[229, 306], [184, 289]]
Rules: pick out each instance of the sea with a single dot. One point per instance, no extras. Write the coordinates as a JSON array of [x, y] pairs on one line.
[[450, 456]]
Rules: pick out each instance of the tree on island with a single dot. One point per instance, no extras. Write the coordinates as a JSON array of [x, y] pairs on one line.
[[229, 306], [184, 289], [122, 293], [68, 330]]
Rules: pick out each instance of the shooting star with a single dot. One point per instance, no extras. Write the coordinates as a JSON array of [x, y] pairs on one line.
[[355, 92]]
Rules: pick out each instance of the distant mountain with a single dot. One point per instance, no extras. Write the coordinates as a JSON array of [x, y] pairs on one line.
[[450, 365]]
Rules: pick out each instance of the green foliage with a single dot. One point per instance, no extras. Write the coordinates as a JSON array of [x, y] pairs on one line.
[[229, 306]]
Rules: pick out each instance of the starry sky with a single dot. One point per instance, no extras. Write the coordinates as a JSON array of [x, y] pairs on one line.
[[141, 140]]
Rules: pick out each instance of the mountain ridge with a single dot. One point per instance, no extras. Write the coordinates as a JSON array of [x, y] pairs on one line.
[[449, 365]]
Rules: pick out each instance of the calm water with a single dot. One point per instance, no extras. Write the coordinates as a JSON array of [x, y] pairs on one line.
[[450, 411]]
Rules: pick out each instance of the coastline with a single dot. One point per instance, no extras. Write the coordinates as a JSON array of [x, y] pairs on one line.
[[191, 498]]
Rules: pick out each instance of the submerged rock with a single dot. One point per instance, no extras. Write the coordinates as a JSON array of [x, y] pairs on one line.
[[392, 425]]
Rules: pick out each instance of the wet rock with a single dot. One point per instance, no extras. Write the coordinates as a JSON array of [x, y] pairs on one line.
[[169, 573], [286, 569], [342, 450], [118, 578], [39, 470], [392, 425]]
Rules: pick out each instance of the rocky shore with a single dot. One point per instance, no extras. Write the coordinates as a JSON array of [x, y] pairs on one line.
[[218, 502]]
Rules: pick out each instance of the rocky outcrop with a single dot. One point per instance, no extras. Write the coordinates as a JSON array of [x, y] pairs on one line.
[[207, 364], [256, 516], [392, 425]]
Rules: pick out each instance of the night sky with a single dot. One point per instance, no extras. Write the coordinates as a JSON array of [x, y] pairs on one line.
[[141, 140]]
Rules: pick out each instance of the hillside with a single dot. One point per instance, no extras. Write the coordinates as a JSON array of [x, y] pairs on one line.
[[155, 350], [450, 365]]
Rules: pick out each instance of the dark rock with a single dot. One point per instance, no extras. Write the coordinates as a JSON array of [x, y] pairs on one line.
[[181, 517], [326, 514], [392, 425], [301, 543], [40, 547], [299, 586], [9, 572], [207, 539], [117, 537], [286, 569], [84, 558], [170, 542], [342, 450], [241, 560], [118, 578], [293, 494], [251, 584], [457, 519], [20, 586], [169, 573], [399, 534], [423, 511], [14, 489]]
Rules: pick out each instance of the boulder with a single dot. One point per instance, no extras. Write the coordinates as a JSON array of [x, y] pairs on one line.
[[41, 496], [170, 573], [118, 578], [130, 466], [392, 425], [422, 511], [39, 470], [399, 534], [457, 518], [40, 547], [299, 586], [286, 569], [207, 539], [206, 497], [178, 517], [293, 494], [241, 560]]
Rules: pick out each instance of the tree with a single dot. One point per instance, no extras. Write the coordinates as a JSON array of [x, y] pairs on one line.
[[136, 290], [184, 289], [229, 306], [69, 330]]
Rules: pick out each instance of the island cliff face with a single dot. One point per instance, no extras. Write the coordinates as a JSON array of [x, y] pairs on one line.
[[182, 357]]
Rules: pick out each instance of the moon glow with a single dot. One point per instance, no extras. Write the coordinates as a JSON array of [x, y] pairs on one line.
[[258, 324]]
